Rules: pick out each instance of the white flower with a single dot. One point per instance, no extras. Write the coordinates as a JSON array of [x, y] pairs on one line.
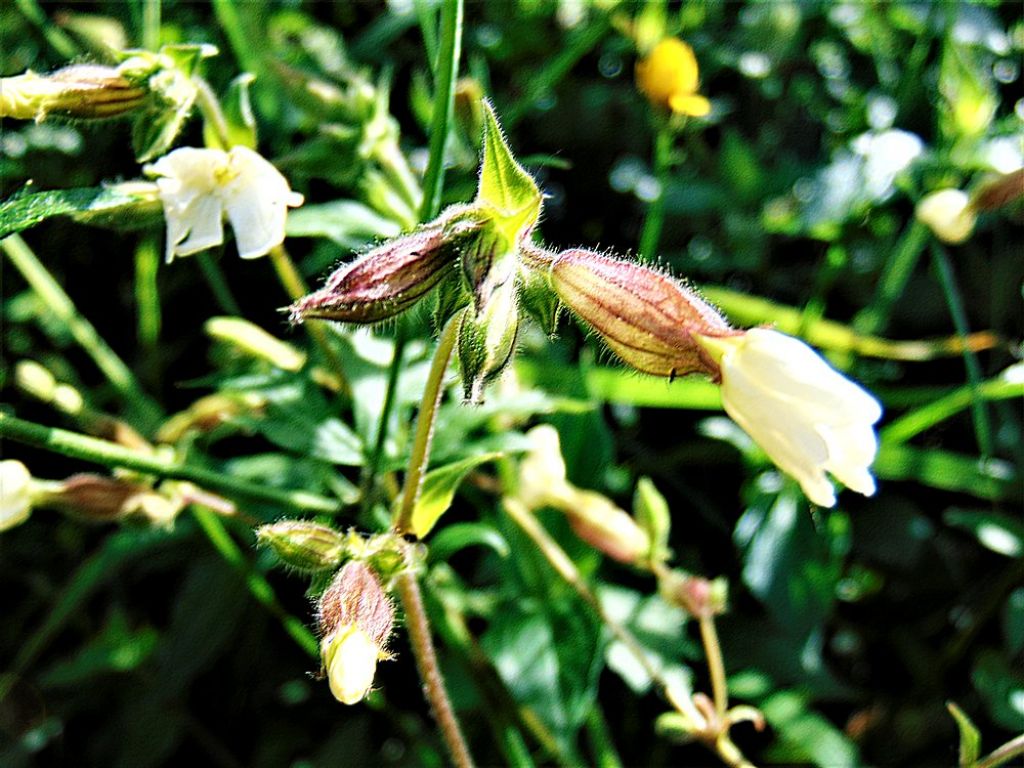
[[948, 213], [807, 417], [198, 187], [15, 494], [350, 657]]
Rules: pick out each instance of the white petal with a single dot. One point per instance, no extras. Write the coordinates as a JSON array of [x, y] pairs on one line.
[[188, 184], [15, 498], [351, 664], [196, 227], [257, 200]]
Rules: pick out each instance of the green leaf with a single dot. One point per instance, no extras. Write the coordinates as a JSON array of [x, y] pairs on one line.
[[652, 514], [970, 737], [992, 479], [100, 205], [504, 184], [117, 648], [1013, 621], [461, 535], [239, 121], [1002, 688], [439, 488], [999, 532], [805, 735], [347, 223]]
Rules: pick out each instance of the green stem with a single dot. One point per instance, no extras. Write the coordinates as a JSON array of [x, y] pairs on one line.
[[147, 295], [895, 275], [55, 36], [372, 469], [419, 454], [979, 413], [258, 586], [83, 332], [214, 276], [1011, 749], [109, 454], [211, 110], [151, 24], [650, 237], [430, 672], [231, 22], [605, 755], [426, 17], [716, 666], [445, 73]]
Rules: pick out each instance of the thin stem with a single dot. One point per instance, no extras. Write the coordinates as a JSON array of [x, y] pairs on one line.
[[60, 305], [650, 237], [601, 740], [1011, 749], [258, 586], [151, 24], [214, 276], [445, 73], [430, 673], [109, 454], [713, 652], [58, 39], [419, 454], [147, 295], [296, 288], [979, 413], [895, 275], [372, 468]]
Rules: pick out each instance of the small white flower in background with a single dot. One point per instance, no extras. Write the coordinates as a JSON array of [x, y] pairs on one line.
[[808, 417], [15, 494], [948, 213], [198, 187]]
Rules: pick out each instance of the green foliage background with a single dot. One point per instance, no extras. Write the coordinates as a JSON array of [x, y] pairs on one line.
[[850, 628]]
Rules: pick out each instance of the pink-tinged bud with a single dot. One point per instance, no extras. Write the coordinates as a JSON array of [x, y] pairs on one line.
[[700, 597], [605, 526], [647, 318], [95, 498], [355, 617]]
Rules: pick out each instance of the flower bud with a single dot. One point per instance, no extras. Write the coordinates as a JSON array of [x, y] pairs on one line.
[[86, 91], [606, 527], [15, 494], [700, 597], [999, 191], [252, 339], [646, 318], [542, 474], [304, 545], [94, 498], [487, 341], [355, 617], [385, 281], [948, 213]]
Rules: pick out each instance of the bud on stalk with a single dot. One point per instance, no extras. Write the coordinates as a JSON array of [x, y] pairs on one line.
[[303, 545], [355, 618], [85, 91], [487, 340], [647, 318], [605, 526]]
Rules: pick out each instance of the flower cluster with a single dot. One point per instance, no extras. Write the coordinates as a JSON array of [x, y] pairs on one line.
[[809, 419]]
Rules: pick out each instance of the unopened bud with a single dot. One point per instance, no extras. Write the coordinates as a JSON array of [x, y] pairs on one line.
[[385, 281], [304, 545], [207, 413], [355, 618], [647, 318], [542, 474], [487, 341], [606, 527], [999, 191], [85, 91], [255, 341], [948, 213], [15, 494], [95, 498], [699, 597]]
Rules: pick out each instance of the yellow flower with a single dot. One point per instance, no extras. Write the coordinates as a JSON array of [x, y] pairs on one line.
[[808, 418], [948, 213], [199, 187], [350, 657], [669, 77]]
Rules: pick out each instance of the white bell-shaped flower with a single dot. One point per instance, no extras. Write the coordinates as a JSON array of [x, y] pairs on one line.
[[199, 187], [808, 417], [949, 215]]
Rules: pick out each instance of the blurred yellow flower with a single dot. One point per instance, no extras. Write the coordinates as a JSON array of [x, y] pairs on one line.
[[669, 77], [948, 213]]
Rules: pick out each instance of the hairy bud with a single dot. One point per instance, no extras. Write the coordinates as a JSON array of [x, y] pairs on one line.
[[487, 341], [355, 617], [85, 91], [646, 318], [303, 545]]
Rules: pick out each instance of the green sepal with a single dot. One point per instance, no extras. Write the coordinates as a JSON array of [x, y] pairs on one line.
[[539, 299], [505, 186], [652, 514], [239, 121], [487, 341], [305, 546]]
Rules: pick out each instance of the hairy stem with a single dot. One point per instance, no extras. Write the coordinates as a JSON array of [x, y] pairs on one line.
[[419, 454], [109, 454], [716, 667], [430, 673], [1004, 754]]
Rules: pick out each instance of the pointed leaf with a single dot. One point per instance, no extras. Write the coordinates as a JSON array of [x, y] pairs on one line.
[[504, 184], [970, 737], [439, 488]]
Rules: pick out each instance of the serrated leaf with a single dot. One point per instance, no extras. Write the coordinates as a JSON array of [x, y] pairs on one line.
[[438, 491], [970, 737], [504, 185]]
